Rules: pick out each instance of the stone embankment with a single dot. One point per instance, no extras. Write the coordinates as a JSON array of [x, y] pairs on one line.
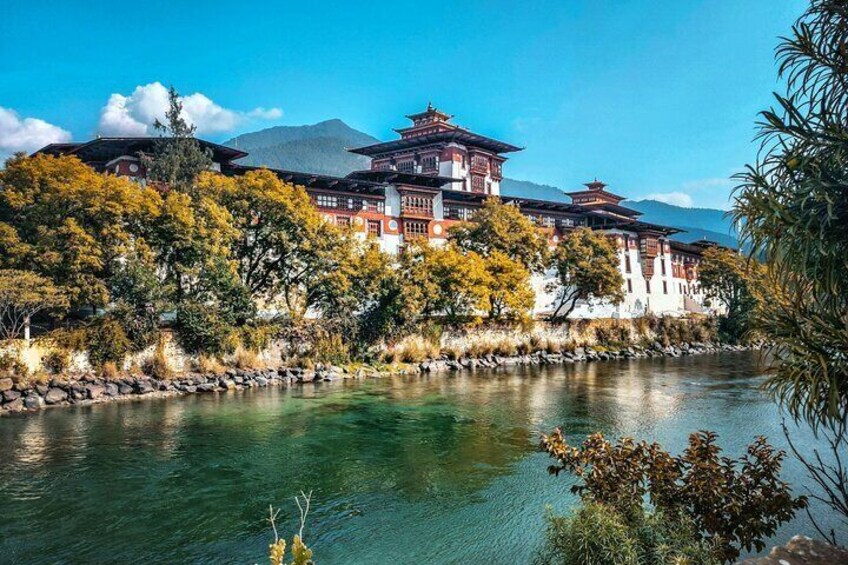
[[23, 396], [801, 550]]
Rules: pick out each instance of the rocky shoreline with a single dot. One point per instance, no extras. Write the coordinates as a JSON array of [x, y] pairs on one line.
[[21, 397]]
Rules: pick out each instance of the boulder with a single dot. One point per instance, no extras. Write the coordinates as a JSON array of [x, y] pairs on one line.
[[6, 384], [95, 391], [144, 386], [34, 402], [261, 381], [55, 395], [11, 395], [801, 550], [206, 387], [125, 389], [110, 389], [14, 406]]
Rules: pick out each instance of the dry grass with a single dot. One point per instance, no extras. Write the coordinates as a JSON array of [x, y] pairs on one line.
[[207, 365], [413, 349], [109, 371], [247, 359]]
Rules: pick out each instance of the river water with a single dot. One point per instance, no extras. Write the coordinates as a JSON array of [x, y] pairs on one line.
[[432, 469]]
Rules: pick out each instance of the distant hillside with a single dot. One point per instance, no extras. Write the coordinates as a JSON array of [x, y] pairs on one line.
[[699, 223], [319, 148]]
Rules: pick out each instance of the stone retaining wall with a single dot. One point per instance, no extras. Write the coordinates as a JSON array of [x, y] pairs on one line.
[[20, 396]]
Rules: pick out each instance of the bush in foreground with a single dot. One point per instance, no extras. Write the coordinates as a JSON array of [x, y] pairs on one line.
[[595, 534]]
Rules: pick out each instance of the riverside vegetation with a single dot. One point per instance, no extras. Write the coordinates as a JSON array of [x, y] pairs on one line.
[[100, 262]]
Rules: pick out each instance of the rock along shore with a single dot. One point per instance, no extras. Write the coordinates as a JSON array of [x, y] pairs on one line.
[[17, 397]]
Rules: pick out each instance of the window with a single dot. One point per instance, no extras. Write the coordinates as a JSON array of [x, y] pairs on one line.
[[548, 221], [629, 286], [478, 184], [662, 265], [343, 221], [479, 162], [413, 229], [406, 166], [648, 286], [418, 205], [453, 212], [429, 164], [665, 287], [627, 266], [374, 206], [375, 228], [326, 201], [566, 222]]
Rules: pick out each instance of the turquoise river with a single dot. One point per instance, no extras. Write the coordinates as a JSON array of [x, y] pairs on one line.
[[424, 469]]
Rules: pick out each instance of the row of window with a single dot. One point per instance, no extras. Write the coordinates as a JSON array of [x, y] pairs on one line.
[[375, 227], [418, 205], [683, 289], [349, 203]]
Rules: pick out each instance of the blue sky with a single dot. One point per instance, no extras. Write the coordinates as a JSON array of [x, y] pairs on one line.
[[651, 97]]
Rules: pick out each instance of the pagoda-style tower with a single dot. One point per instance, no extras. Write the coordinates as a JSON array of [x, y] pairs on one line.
[[434, 146]]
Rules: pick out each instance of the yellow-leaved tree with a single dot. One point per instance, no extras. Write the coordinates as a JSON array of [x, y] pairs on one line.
[[62, 220]]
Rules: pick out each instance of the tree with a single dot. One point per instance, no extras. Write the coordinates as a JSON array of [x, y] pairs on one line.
[[510, 295], [24, 295], [791, 208], [283, 246], [502, 227], [735, 282], [451, 282], [62, 220], [139, 299], [586, 268], [177, 158]]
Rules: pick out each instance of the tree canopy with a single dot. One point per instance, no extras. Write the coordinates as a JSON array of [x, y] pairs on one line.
[[586, 267]]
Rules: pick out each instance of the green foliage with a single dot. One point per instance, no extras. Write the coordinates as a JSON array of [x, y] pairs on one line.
[[139, 301], [586, 265], [106, 342], [792, 209], [597, 534], [258, 336], [202, 329], [499, 227], [56, 361], [12, 366], [733, 504], [177, 157]]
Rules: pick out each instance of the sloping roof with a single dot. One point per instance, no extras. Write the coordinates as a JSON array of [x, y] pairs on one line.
[[104, 149], [461, 136]]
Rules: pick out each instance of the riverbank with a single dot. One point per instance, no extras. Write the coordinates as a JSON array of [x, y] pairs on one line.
[[88, 388]]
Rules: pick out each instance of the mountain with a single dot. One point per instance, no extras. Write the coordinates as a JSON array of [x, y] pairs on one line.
[[698, 223], [319, 148]]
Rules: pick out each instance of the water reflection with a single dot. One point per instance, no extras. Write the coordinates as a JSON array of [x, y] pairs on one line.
[[437, 468]]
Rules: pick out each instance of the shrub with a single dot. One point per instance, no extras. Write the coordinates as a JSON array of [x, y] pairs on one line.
[[201, 329], [207, 365], [596, 533], [247, 359], [106, 342], [553, 346], [506, 348], [157, 365], [593, 535], [13, 367], [452, 352], [733, 503], [109, 371], [56, 361], [258, 337]]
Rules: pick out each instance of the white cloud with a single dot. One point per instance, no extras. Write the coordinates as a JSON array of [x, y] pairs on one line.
[[27, 134], [675, 198], [708, 184], [134, 115]]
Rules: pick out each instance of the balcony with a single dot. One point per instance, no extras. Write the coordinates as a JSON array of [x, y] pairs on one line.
[[416, 206]]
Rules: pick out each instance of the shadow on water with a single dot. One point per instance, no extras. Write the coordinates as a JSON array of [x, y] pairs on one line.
[[438, 468]]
